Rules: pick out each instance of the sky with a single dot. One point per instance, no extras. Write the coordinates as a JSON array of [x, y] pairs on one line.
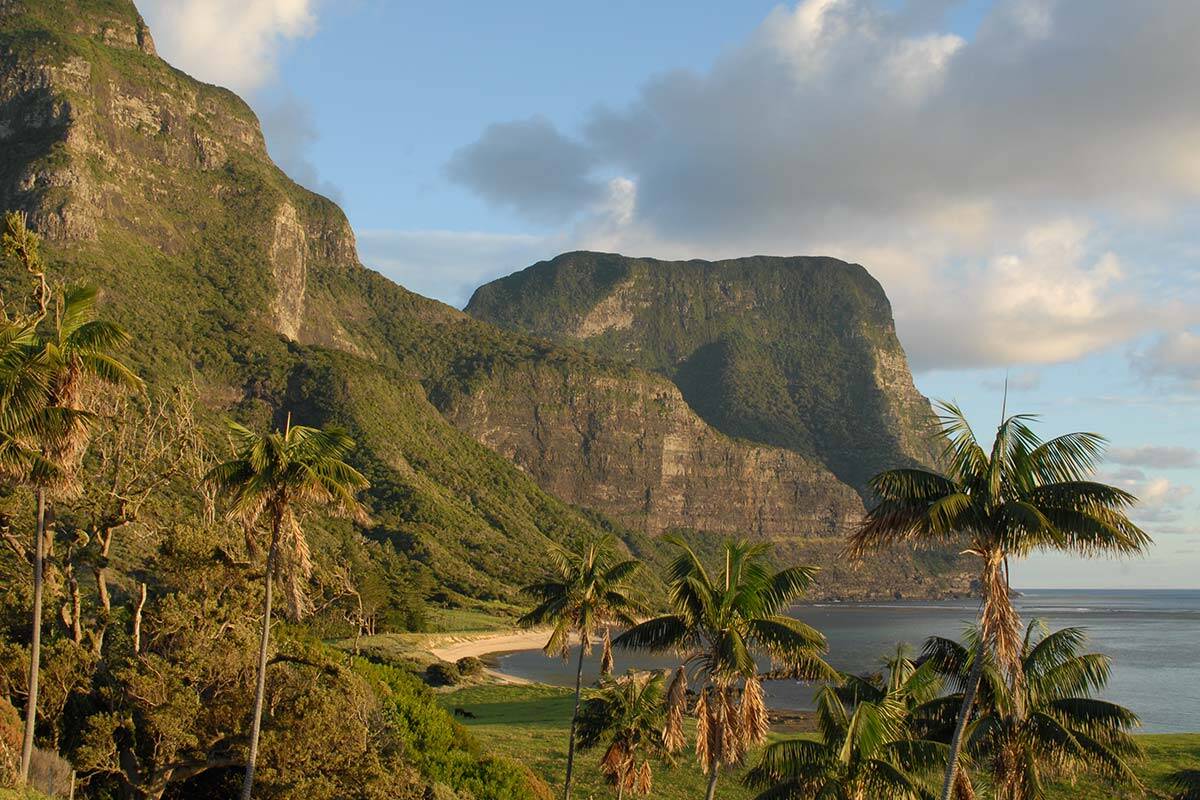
[[1022, 176]]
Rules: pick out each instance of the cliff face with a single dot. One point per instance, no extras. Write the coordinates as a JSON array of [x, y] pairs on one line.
[[633, 448], [477, 440], [794, 352]]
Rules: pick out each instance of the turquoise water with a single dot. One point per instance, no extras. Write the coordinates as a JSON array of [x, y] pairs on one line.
[[1153, 638]]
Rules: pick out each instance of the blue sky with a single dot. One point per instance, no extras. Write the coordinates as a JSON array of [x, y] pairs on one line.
[[1021, 175]]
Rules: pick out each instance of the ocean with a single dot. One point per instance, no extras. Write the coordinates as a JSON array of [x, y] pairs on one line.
[[1152, 637]]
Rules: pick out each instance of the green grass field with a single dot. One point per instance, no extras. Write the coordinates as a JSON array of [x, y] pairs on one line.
[[530, 724]]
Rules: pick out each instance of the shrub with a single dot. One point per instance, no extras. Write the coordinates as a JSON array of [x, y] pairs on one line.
[[442, 673], [469, 666]]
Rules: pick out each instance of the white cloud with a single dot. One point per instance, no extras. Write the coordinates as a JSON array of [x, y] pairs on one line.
[[1161, 502], [987, 182], [232, 43]]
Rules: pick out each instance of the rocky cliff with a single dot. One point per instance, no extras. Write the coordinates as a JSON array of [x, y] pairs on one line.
[[481, 444], [794, 352]]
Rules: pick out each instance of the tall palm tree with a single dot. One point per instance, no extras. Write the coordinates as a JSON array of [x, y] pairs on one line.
[[1023, 495], [589, 591], [270, 480], [25, 422], [627, 714], [716, 627], [1056, 727], [49, 384], [871, 743], [79, 360]]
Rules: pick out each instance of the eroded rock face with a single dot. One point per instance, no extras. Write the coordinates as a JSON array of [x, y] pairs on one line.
[[288, 247], [634, 449]]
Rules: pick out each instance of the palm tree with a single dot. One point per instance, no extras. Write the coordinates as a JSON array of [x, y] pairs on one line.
[[590, 591], [1024, 495], [25, 422], [271, 479], [48, 389], [627, 714], [871, 743], [1056, 727], [79, 359], [717, 627]]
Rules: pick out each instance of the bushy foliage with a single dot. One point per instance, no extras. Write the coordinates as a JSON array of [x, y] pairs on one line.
[[442, 673], [440, 748], [469, 666]]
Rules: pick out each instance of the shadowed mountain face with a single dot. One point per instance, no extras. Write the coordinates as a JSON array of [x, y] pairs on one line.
[[799, 353], [483, 445]]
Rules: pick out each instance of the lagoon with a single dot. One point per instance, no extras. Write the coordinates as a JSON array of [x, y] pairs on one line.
[[1152, 637]]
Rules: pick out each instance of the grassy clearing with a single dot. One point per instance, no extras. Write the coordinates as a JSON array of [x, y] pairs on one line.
[[530, 724]]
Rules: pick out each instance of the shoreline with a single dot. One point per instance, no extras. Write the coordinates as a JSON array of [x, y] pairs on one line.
[[490, 644]]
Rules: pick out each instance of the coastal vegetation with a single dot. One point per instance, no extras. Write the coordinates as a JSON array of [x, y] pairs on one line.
[[1021, 496], [717, 626], [590, 590]]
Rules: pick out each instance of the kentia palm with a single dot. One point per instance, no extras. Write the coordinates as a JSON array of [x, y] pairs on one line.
[[69, 366], [871, 743], [271, 478], [1024, 495], [1055, 727], [627, 715], [590, 591], [717, 627]]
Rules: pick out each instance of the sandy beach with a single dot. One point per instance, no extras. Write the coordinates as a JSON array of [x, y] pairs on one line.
[[454, 648]]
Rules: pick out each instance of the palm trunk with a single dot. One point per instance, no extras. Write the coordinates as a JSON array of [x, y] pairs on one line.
[[574, 721], [964, 715], [712, 782], [35, 645], [260, 690]]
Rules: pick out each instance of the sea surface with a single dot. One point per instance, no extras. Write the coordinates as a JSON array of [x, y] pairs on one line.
[[1152, 637]]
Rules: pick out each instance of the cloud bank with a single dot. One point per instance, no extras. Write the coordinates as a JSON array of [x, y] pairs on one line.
[[986, 180]]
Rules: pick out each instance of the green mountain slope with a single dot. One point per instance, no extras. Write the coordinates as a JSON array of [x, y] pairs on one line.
[[796, 352], [483, 445]]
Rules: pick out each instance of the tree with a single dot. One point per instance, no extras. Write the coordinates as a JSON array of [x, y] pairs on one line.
[[717, 627], [271, 479], [1055, 726], [1024, 495], [871, 743], [49, 386], [627, 715], [80, 359], [146, 459], [589, 591]]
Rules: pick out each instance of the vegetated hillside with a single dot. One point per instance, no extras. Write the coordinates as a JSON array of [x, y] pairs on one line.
[[796, 352], [159, 189]]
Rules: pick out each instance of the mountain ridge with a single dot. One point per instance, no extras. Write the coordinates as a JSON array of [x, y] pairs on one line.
[[159, 188]]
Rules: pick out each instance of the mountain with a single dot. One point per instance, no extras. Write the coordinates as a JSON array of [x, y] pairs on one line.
[[483, 445], [795, 352], [798, 354]]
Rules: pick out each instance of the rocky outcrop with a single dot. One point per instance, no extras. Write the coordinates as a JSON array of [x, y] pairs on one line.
[[287, 253]]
